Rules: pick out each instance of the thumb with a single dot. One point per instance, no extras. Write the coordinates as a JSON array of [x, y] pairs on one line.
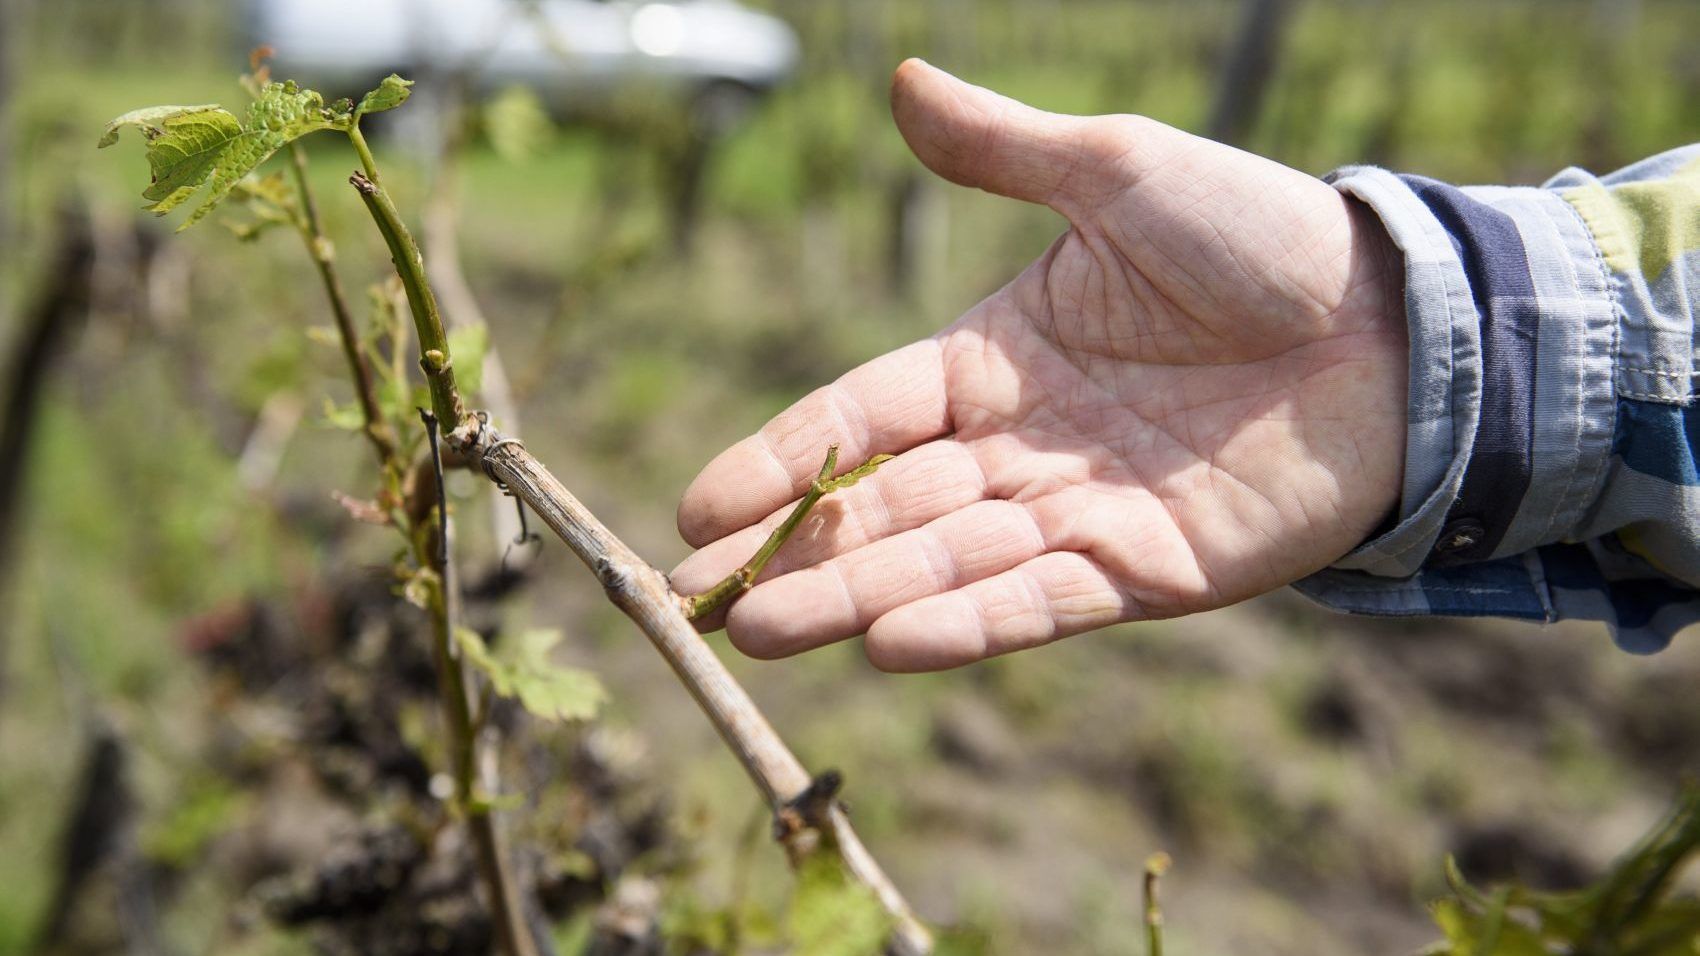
[[974, 137]]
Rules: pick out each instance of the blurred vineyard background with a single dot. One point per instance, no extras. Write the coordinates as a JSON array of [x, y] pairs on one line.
[[1307, 771]]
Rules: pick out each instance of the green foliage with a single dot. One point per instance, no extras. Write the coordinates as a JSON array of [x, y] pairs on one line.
[[745, 296], [524, 671], [192, 147], [391, 93], [183, 149], [148, 118], [832, 915], [1629, 912]]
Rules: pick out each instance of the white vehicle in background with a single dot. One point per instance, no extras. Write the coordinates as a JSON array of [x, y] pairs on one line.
[[715, 56]]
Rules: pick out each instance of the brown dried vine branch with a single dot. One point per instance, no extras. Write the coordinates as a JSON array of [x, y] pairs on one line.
[[644, 594]]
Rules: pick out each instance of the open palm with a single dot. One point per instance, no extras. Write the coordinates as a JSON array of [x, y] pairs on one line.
[[1196, 395]]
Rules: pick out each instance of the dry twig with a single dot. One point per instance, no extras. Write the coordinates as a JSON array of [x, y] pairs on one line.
[[643, 593]]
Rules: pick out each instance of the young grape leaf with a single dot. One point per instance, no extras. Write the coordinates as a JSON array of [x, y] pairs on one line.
[[855, 474], [148, 120], [183, 150], [196, 146], [391, 93], [525, 672]]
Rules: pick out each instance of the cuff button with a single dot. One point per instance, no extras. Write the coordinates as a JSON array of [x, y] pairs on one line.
[[1459, 535]]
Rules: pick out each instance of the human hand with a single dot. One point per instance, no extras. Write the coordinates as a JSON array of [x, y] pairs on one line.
[[1198, 394]]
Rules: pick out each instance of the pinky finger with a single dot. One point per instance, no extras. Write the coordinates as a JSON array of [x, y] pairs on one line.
[[1055, 595]]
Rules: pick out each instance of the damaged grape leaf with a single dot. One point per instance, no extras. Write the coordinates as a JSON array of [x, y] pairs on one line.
[[206, 146], [149, 120], [523, 671]]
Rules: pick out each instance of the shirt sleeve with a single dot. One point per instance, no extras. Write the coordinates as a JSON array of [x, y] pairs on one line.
[[1552, 458]]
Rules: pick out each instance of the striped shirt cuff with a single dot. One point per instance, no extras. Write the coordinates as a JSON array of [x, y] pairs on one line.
[[1511, 400]]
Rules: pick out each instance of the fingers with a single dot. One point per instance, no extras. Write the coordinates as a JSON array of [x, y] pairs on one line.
[[886, 406], [1051, 596], [841, 597], [918, 486], [974, 137]]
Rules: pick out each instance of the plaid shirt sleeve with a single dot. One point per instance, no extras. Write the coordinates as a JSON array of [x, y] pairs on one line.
[[1552, 461]]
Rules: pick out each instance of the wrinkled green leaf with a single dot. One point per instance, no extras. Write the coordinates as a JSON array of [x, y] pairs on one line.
[[855, 474], [205, 146], [185, 153], [149, 120], [524, 671], [391, 93]]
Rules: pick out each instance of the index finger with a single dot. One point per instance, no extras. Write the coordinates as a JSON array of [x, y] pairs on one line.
[[885, 406]]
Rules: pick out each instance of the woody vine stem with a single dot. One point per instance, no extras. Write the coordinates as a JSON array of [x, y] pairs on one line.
[[428, 534], [643, 592]]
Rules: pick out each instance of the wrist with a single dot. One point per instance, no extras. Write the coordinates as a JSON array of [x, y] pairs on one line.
[[1375, 308]]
